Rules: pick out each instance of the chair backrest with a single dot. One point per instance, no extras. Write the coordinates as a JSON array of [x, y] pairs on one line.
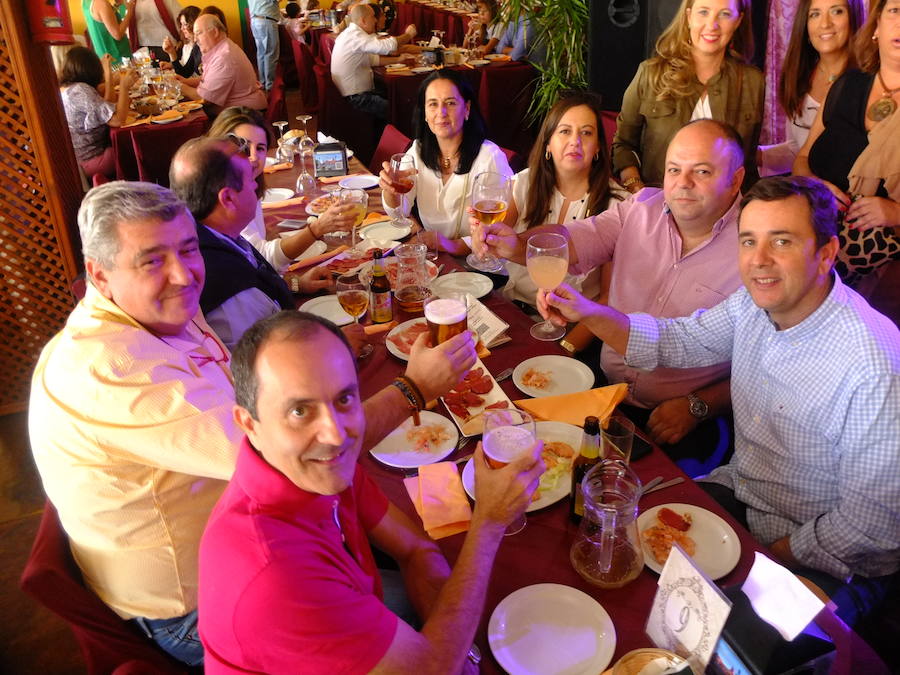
[[392, 141], [514, 159], [286, 57], [277, 108], [609, 120], [247, 38], [99, 179], [303, 60], [504, 96], [326, 46], [52, 578], [339, 119], [153, 152]]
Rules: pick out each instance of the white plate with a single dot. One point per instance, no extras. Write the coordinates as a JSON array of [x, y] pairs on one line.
[[327, 306], [277, 194], [493, 57], [567, 375], [473, 283], [385, 230], [168, 120], [422, 69], [546, 431], [292, 224], [718, 546], [316, 248], [479, 62], [271, 161], [396, 330], [397, 451], [551, 629], [395, 66], [359, 182]]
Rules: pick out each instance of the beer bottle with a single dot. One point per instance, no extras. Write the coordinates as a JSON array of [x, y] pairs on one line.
[[380, 290], [590, 455]]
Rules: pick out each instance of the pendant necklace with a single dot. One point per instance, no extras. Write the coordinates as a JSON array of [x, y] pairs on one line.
[[446, 161], [830, 78], [885, 106]]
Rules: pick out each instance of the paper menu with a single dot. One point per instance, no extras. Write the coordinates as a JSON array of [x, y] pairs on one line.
[[688, 612], [491, 329]]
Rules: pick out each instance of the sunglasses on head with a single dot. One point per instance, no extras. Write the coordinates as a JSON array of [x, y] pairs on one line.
[[243, 145]]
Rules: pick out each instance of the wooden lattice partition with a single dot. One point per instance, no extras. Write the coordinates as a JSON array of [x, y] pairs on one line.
[[39, 195]]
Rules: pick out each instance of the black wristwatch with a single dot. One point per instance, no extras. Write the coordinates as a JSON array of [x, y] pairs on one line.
[[698, 407]]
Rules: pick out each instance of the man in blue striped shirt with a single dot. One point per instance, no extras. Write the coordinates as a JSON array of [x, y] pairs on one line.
[[815, 390]]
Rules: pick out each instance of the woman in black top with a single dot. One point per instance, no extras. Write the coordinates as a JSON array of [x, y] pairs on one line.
[[186, 55]]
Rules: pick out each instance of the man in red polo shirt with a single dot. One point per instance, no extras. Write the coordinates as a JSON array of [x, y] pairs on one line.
[[287, 578]]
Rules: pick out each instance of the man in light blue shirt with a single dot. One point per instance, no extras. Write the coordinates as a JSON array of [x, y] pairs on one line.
[[264, 18], [815, 382], [520, 41]]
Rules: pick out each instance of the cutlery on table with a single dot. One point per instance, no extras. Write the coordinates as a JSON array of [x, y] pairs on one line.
[[504, 374], [650, 484], [661, 486]]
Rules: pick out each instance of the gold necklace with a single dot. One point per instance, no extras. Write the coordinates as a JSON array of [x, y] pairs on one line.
[[446, 161], [885, 106], [830, 78]]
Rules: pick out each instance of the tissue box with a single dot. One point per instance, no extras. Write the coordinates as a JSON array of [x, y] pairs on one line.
[[750, 645]]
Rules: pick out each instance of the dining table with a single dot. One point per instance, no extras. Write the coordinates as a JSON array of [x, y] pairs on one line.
[[431, 16], [539, 554], [165, 138]]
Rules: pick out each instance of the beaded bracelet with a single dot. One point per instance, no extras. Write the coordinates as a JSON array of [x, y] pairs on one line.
[[410, 391]]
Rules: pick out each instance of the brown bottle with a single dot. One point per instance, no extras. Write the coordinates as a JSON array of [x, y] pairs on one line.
[[382, 310], [590, 455]]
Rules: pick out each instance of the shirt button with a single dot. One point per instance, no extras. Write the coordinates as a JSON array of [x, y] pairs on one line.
[[756, 418]]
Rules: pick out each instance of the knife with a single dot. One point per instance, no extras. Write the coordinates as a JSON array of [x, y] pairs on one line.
[[661, 486]]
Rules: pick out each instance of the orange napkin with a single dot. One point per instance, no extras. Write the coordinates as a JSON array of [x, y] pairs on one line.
[[373, 218], [293, 201], [316, 259], [504, 57], [375, 328], [440, 500], [337, 179], [278, 167], [573, 408], [167, 115], [136, 121]]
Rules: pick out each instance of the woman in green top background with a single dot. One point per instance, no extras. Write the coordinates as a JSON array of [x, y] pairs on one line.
[[106, 26]]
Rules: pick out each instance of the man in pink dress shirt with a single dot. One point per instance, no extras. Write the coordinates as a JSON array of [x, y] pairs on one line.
[[228, 77], [673, 253]]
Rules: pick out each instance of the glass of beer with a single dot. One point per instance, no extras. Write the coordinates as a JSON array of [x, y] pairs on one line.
[[446, 316], [547, 259], [491, 194], [616, 439], [509, 433], [353, 295]]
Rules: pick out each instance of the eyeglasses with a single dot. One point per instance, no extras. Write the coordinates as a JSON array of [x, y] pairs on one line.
[[243, 145], [208, 340]]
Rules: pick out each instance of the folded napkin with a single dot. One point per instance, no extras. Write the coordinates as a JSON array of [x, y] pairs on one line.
[[338, 179], [281, 203], [278, 167], [135, 121], [440, 501], [316, 259], [780, 598], [167, 115], [373, 218], [498, 58], [573, 408]]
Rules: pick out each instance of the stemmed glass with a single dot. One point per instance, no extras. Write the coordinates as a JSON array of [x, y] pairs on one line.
[[359, 202], [307, 144], [491, 194], [547, 259], [285, 153], [403, 179], [508, 434], [353, 295]]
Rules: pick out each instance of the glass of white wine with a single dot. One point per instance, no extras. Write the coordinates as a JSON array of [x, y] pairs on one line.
[[491, 194], [353, 295], [547, 259]]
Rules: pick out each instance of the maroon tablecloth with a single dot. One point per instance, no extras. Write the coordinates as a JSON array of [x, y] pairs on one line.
[[193, 125], [427, 18]]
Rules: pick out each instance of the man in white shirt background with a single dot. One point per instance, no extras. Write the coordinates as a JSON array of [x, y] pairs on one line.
[[356, 50]]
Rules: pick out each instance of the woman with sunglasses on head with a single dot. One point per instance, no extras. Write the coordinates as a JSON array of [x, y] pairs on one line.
[[185, 56], [700, 70], [818, 53], [568, 178], [854, 148], [248, 129], [449, 151]]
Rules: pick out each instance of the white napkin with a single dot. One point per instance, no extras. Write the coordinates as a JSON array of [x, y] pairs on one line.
[[780, 598], [325, 139], [434, 42]]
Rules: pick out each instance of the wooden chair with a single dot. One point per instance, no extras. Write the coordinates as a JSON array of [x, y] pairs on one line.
[[392, 141], [53, 579]]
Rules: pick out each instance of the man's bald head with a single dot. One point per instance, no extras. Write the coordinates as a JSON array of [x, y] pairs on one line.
[[363, 16], [208, 31], [199, 170], [722, 135]]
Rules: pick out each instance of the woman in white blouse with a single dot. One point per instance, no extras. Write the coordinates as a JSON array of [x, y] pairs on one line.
[[450, 149], [568, 178], [248, 128], [818, 54]]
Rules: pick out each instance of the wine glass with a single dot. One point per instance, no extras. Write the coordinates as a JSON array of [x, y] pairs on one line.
[[306, 143], [359, 202], [547, 259], [353, 295], [403, 179], [281, 124], [491, 194], [508, 434]]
